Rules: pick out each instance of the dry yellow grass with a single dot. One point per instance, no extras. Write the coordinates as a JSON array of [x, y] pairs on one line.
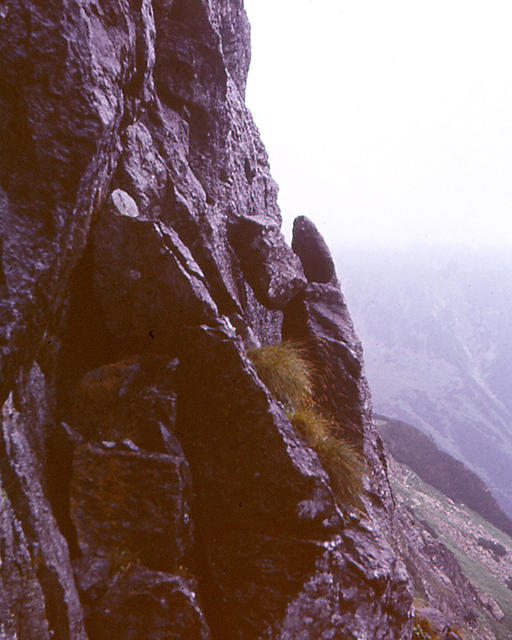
[[284, 369], [288, 374], [339, 457]]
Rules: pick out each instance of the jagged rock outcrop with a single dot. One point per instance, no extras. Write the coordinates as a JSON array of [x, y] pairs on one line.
[[313, 252], [149, 478]]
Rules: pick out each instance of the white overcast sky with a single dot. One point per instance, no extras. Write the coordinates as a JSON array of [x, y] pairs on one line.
[[388, 121]]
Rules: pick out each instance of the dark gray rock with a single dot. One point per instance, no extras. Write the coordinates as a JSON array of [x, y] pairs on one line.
[[218, 167], [497, 549], [235, 32], [319, 318], [127, 500], [312, 250], [45, 569], [269, 265], [142, 171], [332, 602], [133, 399], [62, 108], [145, 277], [22, 602], [141, 603], [277, 552]]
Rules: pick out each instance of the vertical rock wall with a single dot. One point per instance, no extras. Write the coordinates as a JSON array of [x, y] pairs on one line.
[[150, 484]]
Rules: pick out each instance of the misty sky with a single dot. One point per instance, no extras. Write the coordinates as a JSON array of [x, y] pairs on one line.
[[388, 122]]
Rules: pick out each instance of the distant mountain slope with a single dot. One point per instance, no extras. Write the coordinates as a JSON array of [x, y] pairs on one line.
[[437, 337], [410, 446], [483, 552]]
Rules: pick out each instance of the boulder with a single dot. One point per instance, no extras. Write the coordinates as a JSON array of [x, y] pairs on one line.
[[318, 318], [313, 251], [268, 263]]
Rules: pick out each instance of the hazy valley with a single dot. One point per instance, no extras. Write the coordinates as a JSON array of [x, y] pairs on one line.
[[435, 328], [483, 551]]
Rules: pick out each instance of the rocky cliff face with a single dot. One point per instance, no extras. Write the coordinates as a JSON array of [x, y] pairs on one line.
[[151, 486]]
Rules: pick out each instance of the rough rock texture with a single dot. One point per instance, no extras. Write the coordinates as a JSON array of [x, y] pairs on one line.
[[313, 252], [283, 521], [273, 271], [150, 479], [133, 398], [139, 604], [42, 596], [319, 318], [437, 576], [145, 277], [131, 501]]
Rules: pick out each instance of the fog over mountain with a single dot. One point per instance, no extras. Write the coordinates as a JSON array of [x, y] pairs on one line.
[[387, 122], [437, 337]]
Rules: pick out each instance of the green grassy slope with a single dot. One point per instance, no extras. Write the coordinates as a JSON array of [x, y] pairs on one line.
[[483, 551]]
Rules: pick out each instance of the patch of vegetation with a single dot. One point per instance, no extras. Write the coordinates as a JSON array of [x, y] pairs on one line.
[[480, 575], [339, 457], [312, 425], [288, 374], [410, 446], [454, 524], [423, 630]]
